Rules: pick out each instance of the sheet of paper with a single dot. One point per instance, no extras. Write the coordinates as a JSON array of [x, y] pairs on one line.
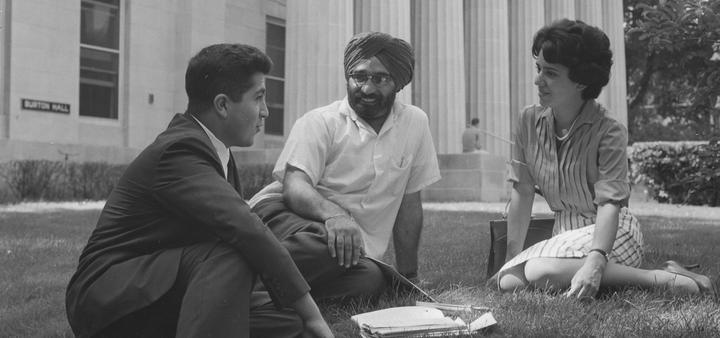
[[398, 316], [482, 322], [411, 321]]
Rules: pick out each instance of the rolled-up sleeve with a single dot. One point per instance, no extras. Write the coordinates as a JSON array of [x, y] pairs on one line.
[[612, 184], [306, 148], [519, 172]]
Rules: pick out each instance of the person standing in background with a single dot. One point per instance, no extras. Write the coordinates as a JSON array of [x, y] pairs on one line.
[[472, 137]]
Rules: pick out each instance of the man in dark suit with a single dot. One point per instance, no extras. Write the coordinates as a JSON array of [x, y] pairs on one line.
[[176, 250]]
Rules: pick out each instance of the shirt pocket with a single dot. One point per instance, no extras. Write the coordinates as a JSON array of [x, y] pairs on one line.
[[398, 173]]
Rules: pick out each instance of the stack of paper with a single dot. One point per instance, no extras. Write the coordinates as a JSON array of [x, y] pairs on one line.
[[425, 319], [416, 321]]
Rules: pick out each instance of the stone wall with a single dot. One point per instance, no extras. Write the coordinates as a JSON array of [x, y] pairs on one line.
[[479, 177]]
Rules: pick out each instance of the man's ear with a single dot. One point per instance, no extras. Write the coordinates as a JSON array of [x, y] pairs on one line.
[[581, 87], [220, 104]]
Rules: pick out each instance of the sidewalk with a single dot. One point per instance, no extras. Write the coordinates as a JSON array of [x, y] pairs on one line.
[[639, 208], [52, 206]]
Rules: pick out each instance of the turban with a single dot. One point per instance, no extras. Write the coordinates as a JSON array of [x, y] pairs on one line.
[[395, 54]]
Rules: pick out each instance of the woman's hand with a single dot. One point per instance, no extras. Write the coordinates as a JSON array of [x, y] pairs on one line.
[[586, 281]]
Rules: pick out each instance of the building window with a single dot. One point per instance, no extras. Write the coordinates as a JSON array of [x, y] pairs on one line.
[[99, 58], [275, 81]]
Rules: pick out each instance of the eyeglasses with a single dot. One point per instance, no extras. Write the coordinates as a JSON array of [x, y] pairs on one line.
[[379, 80]]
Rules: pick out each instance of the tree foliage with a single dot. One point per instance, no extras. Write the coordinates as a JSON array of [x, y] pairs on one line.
[[673, 68]]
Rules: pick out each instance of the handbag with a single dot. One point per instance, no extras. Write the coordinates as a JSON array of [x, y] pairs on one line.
[[540, 228]]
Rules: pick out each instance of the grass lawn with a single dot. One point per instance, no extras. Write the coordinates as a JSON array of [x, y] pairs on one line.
[[39, 250]]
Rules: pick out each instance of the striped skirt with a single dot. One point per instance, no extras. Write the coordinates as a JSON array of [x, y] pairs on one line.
[[627, 248]]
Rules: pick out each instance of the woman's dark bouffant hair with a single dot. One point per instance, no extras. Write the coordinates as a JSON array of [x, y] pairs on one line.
[[584, 49]]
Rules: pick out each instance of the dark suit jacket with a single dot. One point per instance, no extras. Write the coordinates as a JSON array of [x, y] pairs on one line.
[[172, 195]]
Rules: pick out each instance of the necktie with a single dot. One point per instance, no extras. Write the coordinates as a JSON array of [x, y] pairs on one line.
[[228, 171]]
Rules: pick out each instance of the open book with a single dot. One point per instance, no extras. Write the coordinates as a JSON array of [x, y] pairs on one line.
[[417, 321]]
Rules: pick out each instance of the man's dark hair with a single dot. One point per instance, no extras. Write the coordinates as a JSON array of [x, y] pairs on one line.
[[583, 49], [474, 121], [222, 69]]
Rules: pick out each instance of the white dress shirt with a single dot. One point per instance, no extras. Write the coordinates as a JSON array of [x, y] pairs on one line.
[[223, 152]]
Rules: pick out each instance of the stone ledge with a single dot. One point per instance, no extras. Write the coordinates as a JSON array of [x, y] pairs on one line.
[[29, 150], [478, 177], [255, 156]]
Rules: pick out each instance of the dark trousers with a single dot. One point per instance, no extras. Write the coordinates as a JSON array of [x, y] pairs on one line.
[[212, 297], [306, 240]]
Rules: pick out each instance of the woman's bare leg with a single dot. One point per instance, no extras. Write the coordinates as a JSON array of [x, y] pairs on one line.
[[556, 273], [513, 279]]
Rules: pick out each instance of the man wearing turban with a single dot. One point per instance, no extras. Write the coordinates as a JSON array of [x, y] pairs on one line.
[[350, 175]]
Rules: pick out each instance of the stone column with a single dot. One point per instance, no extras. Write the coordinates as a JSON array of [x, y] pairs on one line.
[[559, 9], [487, 67], [617, 88], [316, 34], [439, 84], [192, 33], [525, 21], [591, 12], [392, 17], [4, 70]]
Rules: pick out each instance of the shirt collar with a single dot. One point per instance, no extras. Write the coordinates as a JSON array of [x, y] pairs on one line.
[[223, 152], [591, 112]]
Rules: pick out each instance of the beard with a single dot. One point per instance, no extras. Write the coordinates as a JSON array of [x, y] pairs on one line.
[[379, 108]]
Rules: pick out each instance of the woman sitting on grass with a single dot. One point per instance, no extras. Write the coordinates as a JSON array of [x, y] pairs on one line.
[[572, 149]]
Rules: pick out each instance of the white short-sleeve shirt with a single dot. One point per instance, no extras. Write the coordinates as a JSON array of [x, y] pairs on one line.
[[365, 172]]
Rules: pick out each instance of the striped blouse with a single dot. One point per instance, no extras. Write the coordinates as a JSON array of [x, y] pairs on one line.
[[575, 175]]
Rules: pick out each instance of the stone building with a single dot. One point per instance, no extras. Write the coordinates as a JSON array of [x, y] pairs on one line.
[[96, 80]]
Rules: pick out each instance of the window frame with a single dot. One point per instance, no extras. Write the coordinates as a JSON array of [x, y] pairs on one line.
[[119, 92], [271, 20]]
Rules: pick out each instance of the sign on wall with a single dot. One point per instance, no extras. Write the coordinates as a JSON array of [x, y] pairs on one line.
[[53, 107]]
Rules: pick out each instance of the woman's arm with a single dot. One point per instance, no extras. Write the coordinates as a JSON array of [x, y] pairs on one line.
[[521, 202], [606, 226], [586, 281], [610, 189]]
